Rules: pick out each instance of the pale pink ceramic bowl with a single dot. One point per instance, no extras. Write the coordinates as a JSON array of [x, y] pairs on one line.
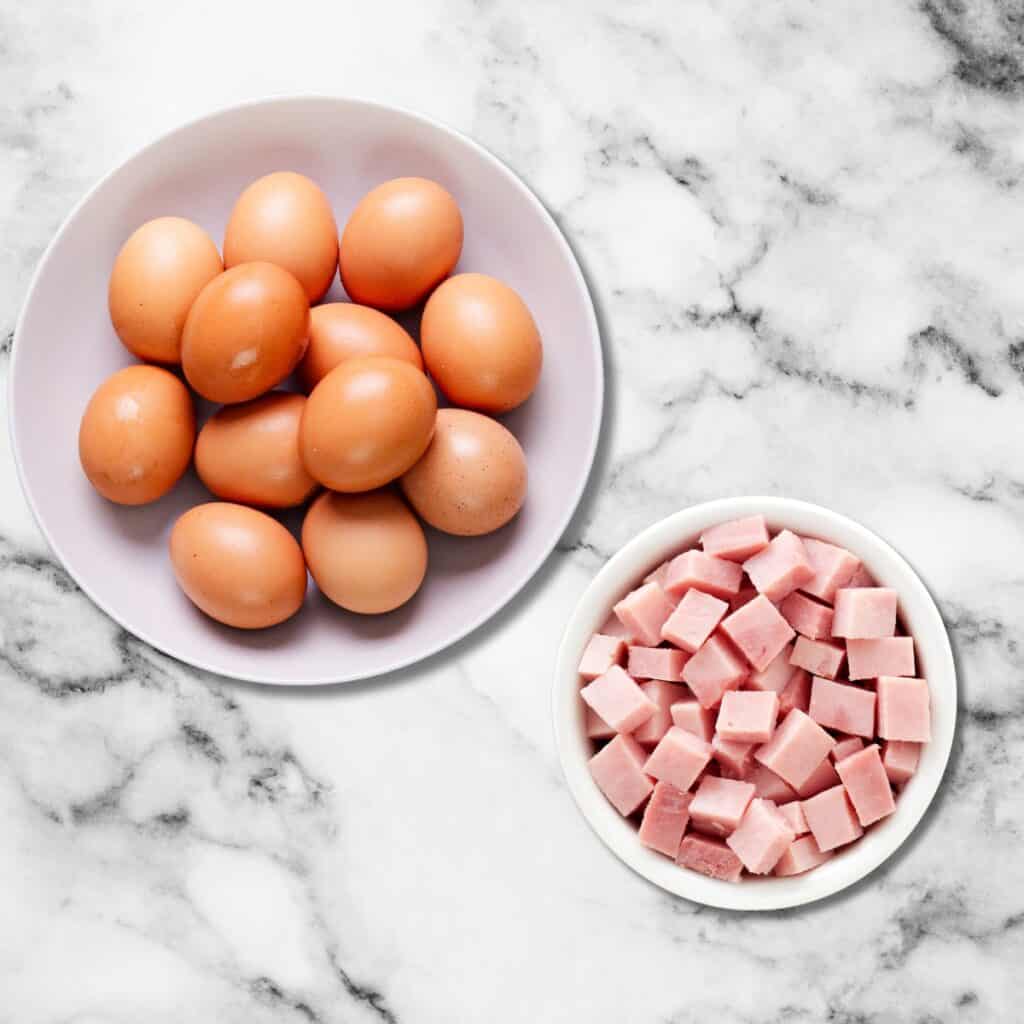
[[64, 347]]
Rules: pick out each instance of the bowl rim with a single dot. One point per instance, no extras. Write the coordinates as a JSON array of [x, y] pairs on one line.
[[529, 567], [644, 552]]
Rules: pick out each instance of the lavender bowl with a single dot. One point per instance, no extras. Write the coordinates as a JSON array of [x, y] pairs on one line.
[[64, 347]]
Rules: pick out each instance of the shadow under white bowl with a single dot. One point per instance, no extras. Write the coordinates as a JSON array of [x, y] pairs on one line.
[[65, 346], [934, 662]]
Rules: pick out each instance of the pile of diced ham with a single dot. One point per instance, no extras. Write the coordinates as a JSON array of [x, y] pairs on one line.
[[752, 704]]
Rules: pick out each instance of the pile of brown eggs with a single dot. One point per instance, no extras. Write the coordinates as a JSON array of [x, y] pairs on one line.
[[365, 441]]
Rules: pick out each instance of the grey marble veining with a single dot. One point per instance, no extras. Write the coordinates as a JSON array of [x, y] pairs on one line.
[[804, 226]]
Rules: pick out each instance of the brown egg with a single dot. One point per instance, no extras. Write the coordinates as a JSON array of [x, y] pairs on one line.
[[157, 275], [245, 333], [285, 218], [480, 343], [136, 436], [345, 330], [366, 423], [472, 478], [249, 453], [402, 240], [366, 552], [238, 565]]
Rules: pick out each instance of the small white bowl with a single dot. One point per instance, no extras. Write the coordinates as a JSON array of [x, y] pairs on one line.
[[935, 663]]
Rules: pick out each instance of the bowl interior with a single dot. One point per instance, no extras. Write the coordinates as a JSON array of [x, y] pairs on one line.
[[935, 662], [65, 346]]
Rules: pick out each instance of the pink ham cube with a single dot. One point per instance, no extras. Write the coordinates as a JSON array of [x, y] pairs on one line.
[[748, 716], [761, 838], [817, 657], [796, 749], [737, 758], [600, 654], [643, 612], [689, 715], [802, 855], [843, 707], [713, 670], [694, 620], [845, 746], [710, 857], [776, 675], [613, 626], [658, 575], [900, 760], [797, 693], [884, 656], [759, 631], [823, 777], [743, 596], [664, 695], [719, 804], [656, 663], [665, 819], [831, 818], [903, 709], [794, 815], [736, 540], [618, 700], [780, 568], [864, 613], [769, 786], [807, 616], [861, 578], [833, 568], [714, 576], [867, 785], [597, 728], [618, 771], [679, 758]]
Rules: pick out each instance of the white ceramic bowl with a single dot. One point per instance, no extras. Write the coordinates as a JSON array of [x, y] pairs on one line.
[[935, 663], [64, 346]]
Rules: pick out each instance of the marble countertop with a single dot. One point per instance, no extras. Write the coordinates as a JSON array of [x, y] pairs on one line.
[[804, 226]]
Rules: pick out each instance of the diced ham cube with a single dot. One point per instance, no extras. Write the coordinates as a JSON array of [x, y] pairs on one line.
[[618, 771], [600, 654], [843, 707], [794, 815], [807, 616], [900, 760], [867, 785], [658, 575], [665, 818], [714, 576], [689, 715], [780, 568], [769, 786], [834, 567], [861, 578], [797, 693], [796, 749], [903, 709], [738, 758], [719, 804], [618, 700], [864, 613], [714, 669], [743, 596], [748, 716], [664, 695], [845, 746], [644, 611], [831, 818], [823, 777], [776, 675], [656, 663], [597, 728], [759, 631], [694, 620], [614, 626], [679, 758], [885, 656], [817, 657], [710, 857], [802, 855], [736, 540], [761, 838]]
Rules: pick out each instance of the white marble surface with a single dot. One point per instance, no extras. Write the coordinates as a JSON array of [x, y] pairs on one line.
[[804, 225]]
